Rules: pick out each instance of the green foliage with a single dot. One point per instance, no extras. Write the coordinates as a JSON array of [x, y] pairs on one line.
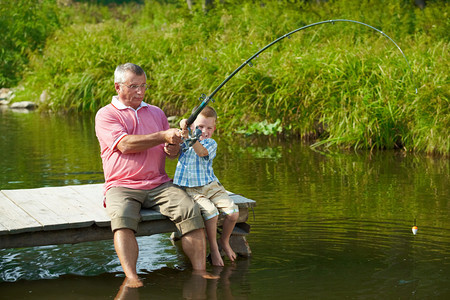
[[342, 85], [25, 27], [263, 127]]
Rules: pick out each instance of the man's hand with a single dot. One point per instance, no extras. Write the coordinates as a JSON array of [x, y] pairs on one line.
[[172, 150], [184, 129], [172, 136], [173, 140]]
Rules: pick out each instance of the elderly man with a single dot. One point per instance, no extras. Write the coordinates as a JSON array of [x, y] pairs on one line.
[[135, 140]]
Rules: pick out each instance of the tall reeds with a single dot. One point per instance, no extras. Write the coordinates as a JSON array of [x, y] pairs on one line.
[[342, 85]]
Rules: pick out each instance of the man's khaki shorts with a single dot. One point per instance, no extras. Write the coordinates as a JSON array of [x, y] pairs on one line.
[[124, 204], [212, 199]]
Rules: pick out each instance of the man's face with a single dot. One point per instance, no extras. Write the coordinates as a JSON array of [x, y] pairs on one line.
[[206, 125], [131, 92]]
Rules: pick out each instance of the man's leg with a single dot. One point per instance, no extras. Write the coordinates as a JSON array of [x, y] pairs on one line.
[[123, 206], [178, 206], [174, 203], [128, 251], [194, 246]]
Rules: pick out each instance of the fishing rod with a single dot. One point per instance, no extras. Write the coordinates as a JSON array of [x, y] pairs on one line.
[[205, 99]]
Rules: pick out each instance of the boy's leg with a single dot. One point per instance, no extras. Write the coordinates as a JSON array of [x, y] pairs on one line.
[[210, 215], [211, 232], [225, 205], [227, 229]]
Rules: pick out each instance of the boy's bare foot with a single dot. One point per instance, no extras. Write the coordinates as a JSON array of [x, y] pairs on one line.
[[216, 258], [228, 251]]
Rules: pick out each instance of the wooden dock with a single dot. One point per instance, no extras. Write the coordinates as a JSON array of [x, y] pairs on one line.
[[75, 214]]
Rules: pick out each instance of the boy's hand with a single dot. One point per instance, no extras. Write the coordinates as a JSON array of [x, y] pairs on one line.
[[184, 129]]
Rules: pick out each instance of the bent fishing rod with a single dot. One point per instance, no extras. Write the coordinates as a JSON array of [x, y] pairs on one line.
[[205, 99]]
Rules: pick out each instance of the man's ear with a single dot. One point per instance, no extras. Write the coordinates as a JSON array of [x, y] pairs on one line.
[[117, 87]]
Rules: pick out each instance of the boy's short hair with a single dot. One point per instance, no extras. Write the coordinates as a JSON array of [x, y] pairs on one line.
[[208, 112]]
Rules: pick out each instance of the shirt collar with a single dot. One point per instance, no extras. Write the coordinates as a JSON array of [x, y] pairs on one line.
[[119, 105]]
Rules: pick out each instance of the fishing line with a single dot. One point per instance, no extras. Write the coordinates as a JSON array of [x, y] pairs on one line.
[[205, 99]]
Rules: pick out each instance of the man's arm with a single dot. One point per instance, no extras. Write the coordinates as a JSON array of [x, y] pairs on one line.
[[137, 143]]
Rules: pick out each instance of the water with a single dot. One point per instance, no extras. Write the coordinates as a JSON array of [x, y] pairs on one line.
[[326, 226]]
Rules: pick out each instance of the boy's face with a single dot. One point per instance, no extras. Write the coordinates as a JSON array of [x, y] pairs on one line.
[[206, 125]]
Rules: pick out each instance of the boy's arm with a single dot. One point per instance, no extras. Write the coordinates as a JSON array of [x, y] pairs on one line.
[[199, 149]]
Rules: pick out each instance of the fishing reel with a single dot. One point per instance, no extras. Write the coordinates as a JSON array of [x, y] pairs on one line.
[[193, 137]]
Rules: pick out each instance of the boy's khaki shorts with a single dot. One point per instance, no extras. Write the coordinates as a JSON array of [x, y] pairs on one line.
[[124, 205], [212, 199]]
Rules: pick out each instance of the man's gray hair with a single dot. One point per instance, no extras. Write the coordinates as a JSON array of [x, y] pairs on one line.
[[121, 71]]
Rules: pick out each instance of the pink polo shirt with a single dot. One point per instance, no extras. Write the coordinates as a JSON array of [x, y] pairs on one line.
[[142, 170]]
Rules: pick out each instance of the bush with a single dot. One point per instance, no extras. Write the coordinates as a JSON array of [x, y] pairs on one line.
[[343, 85], [25, 27]]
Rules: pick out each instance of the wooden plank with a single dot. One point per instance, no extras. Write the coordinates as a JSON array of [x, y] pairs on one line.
[[69, 204], [51, 207], [78, 235], [156, 226], [72, 214], [55, 237], [91, 198], [3, 229], [14, 219], [241, 201]]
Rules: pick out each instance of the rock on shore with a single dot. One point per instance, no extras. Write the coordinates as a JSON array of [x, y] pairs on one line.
[[5, 99]]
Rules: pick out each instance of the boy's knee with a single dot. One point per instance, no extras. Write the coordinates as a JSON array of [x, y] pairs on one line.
[[209, 214], [233, 217]]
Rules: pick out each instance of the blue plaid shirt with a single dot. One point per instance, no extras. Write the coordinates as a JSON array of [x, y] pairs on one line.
[[193, 170]]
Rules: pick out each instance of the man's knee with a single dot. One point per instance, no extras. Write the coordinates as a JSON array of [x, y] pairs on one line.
[[182, 210], [192, 223]]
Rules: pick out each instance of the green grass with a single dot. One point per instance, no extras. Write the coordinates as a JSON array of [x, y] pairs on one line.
[[340, 86]]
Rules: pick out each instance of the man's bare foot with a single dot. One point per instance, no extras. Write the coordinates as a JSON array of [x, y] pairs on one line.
[[205, 274], [127, 292], [216, 258], [133, 282], [227, 249]]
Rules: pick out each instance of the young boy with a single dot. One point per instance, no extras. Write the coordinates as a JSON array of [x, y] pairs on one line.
[[195, 174]]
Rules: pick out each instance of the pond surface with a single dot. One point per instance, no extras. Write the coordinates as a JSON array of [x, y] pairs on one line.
[[326, 226]]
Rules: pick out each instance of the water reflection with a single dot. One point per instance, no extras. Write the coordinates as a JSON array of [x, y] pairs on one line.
[[173, 284], [47, 150], [164, 283]]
